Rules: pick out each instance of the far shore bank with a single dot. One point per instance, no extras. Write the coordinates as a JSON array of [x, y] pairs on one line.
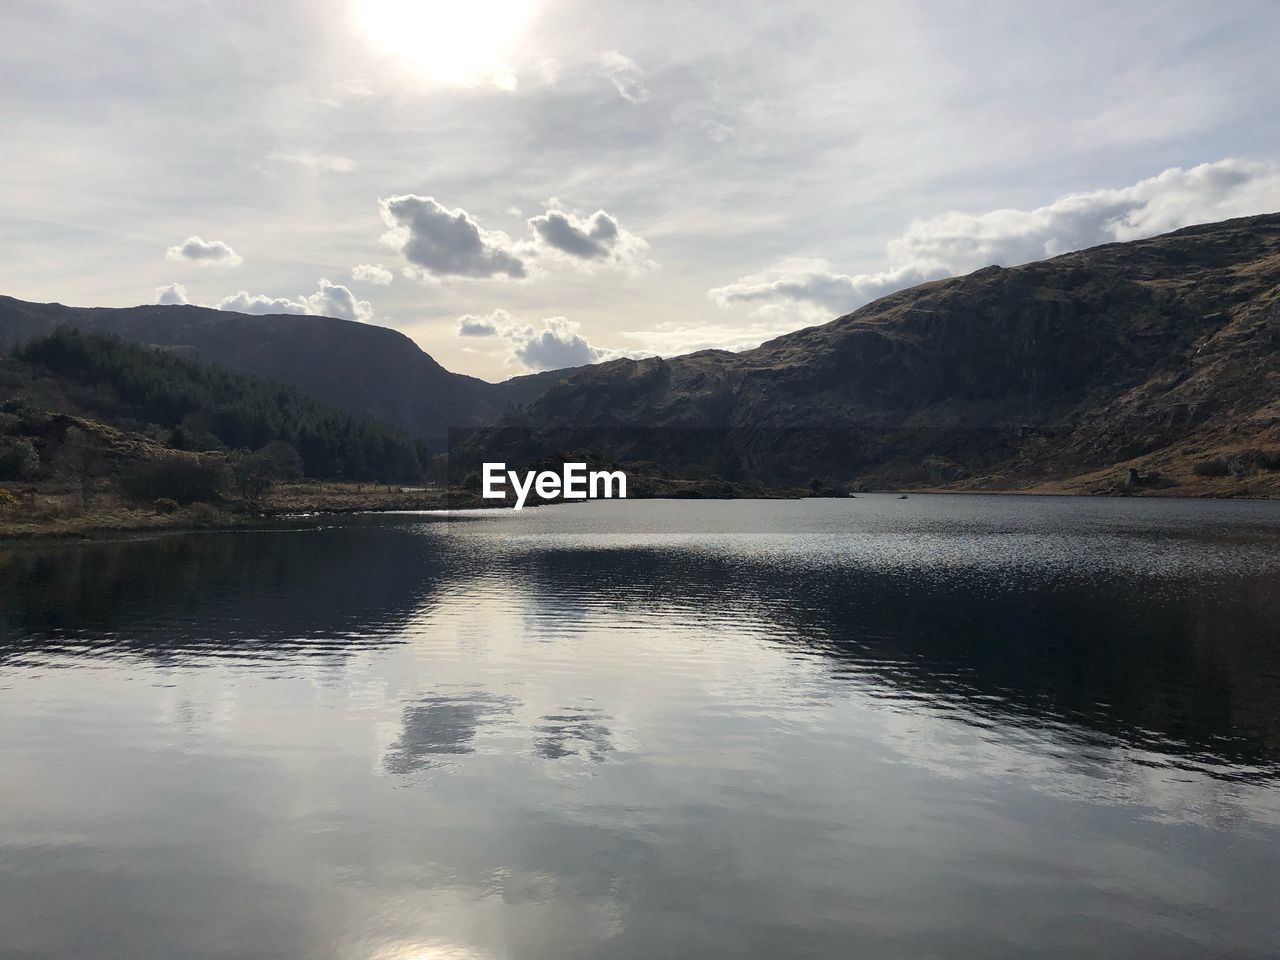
[[52, 515]]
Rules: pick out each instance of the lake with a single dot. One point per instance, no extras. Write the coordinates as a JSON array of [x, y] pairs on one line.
[[949, 726]]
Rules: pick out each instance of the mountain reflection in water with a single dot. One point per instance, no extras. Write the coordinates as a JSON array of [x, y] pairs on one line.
[[947, 726]]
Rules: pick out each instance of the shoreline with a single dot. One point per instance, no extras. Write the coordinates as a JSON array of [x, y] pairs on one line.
[[301, 503]]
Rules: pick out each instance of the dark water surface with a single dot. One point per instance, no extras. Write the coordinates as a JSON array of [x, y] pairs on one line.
[[942, 727]]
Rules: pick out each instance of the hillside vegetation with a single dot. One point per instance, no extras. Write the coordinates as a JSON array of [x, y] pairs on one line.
[[359, 368], [194, 406]]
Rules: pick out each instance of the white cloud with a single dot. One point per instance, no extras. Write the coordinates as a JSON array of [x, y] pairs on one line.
[[815, 282], [558, 344], [329, 162], [548, 70], [1176, 198], [204, 253], [337, 95], [554, 344], [374, 273], [672, 339], [625, 76], [586, 242], [956, 243], [441, 242], [330, 300], [171, 293], [335, 300], [246, 302]]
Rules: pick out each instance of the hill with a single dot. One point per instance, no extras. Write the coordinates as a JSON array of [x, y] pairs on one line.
[[184, 405], [1160, 355], [359, 368]]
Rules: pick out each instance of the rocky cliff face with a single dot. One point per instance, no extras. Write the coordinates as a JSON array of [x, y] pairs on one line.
[[1151, 352], [356, 367]]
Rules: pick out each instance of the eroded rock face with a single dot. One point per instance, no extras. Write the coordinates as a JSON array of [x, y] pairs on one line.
[[1017, 375]]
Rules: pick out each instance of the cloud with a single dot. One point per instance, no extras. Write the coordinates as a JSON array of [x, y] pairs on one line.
[[376, 274], [625, 76], [330, 300], [329, 162], [587, 242], [558, 344], [815, 282], [547, 71], [246, 302], [555, 344], [589, 239], [204, 253], [172, 293], [672, 339], [957, 243], [355, 88], [335, 300], [473, 326], [440, 242]]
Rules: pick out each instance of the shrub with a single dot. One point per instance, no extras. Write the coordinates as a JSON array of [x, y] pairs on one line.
[[1217, 467], [1267, 459], [7, 499], [202, 514], [165, 505], [190, 479], [17, 458]]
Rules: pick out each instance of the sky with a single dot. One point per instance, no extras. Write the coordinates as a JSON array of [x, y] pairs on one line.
[[527, 184]]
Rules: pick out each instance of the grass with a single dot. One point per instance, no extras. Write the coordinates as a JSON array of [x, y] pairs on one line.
[[52, 510]]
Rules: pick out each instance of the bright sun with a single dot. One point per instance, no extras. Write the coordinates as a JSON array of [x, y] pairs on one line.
[[449, 41]]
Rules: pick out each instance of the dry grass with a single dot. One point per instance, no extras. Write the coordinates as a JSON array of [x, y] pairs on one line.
[[53, 510], [62, 514]]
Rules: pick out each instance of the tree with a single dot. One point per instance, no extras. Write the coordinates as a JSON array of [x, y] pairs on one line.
[[201, 407], [80, 458], [284, 458], [252, 475]]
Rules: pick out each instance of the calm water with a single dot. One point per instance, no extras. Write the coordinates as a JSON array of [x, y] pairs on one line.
[[941, 727]]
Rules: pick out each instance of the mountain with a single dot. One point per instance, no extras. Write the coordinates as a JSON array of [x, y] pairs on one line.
[[359, 368], [1162, 355], [1143, 365]]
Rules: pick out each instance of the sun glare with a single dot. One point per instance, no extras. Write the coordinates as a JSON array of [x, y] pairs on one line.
[[449, 41]]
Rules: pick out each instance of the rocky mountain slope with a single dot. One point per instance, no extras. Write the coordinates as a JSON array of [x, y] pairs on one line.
[[1160, 355], [359, 368]]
